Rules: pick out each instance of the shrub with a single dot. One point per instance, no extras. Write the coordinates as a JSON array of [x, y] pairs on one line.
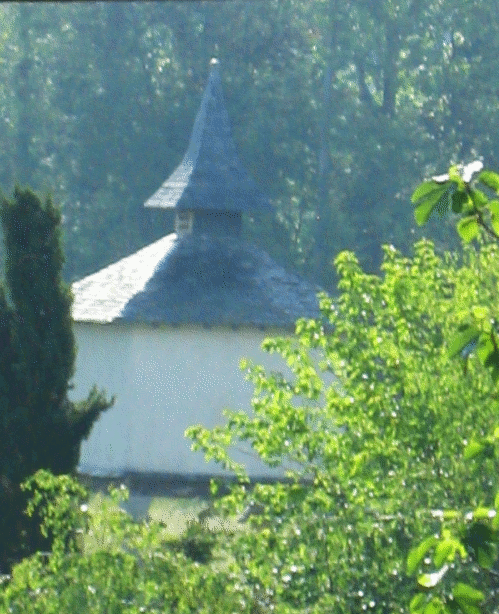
[[120, 567]]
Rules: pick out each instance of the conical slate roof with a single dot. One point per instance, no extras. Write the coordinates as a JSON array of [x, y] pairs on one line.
[[211, 176], [201, 279]]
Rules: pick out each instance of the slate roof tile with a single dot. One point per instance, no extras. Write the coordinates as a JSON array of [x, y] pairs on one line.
[[211, 175], [195, 279]]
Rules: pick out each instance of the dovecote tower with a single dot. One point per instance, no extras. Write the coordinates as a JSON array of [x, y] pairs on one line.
[[164, 328]]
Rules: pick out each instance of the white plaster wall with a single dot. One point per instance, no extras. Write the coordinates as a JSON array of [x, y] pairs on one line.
[[165, 379]]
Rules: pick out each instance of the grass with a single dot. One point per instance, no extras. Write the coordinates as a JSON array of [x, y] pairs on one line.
[[173, 512]]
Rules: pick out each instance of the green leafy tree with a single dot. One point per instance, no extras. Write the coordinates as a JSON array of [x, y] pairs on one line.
[[41, 427], [371, 454], [463, 554]]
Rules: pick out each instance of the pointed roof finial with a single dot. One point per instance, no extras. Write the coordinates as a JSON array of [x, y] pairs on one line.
[[211, 176]]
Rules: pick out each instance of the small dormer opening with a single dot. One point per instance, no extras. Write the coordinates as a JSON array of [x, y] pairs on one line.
[[210, 189], [184, 221]]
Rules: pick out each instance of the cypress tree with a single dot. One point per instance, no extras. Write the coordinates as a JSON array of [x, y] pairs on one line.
[[41, 427]]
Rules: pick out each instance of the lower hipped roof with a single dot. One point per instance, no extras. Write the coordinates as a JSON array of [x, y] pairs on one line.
[[195, 279]]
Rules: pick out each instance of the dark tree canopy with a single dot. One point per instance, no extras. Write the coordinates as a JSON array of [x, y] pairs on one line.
[[41, 427], [336, 108]]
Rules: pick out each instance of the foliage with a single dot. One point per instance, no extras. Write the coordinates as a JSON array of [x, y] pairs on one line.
[[123, 567], [197, 543], [371, 454], [466, 546], [60, 504], [457, 191], [42, 428]]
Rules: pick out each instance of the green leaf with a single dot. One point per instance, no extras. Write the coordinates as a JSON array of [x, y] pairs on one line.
[[424, 190], [444, 552], [429, 580], [479, 199], [464, 593], [479, 538], [494, 207], [459, 199], [423, 212], [485, 347], [417, 603], [490, 179], [437, 200], [473, 449], [417, 554], [481, 513], [468, 333], [435, 607], [451, 514], [214, 486], [480, 312], [488, 354], [468, 228], [495, 369], [455, 175], [494, 212], [469, 608], [485, 556]]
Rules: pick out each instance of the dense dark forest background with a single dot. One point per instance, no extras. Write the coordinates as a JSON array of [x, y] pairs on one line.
[[338, 107]]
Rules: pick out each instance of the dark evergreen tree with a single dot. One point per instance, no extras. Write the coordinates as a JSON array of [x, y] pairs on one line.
[[41, 427]]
